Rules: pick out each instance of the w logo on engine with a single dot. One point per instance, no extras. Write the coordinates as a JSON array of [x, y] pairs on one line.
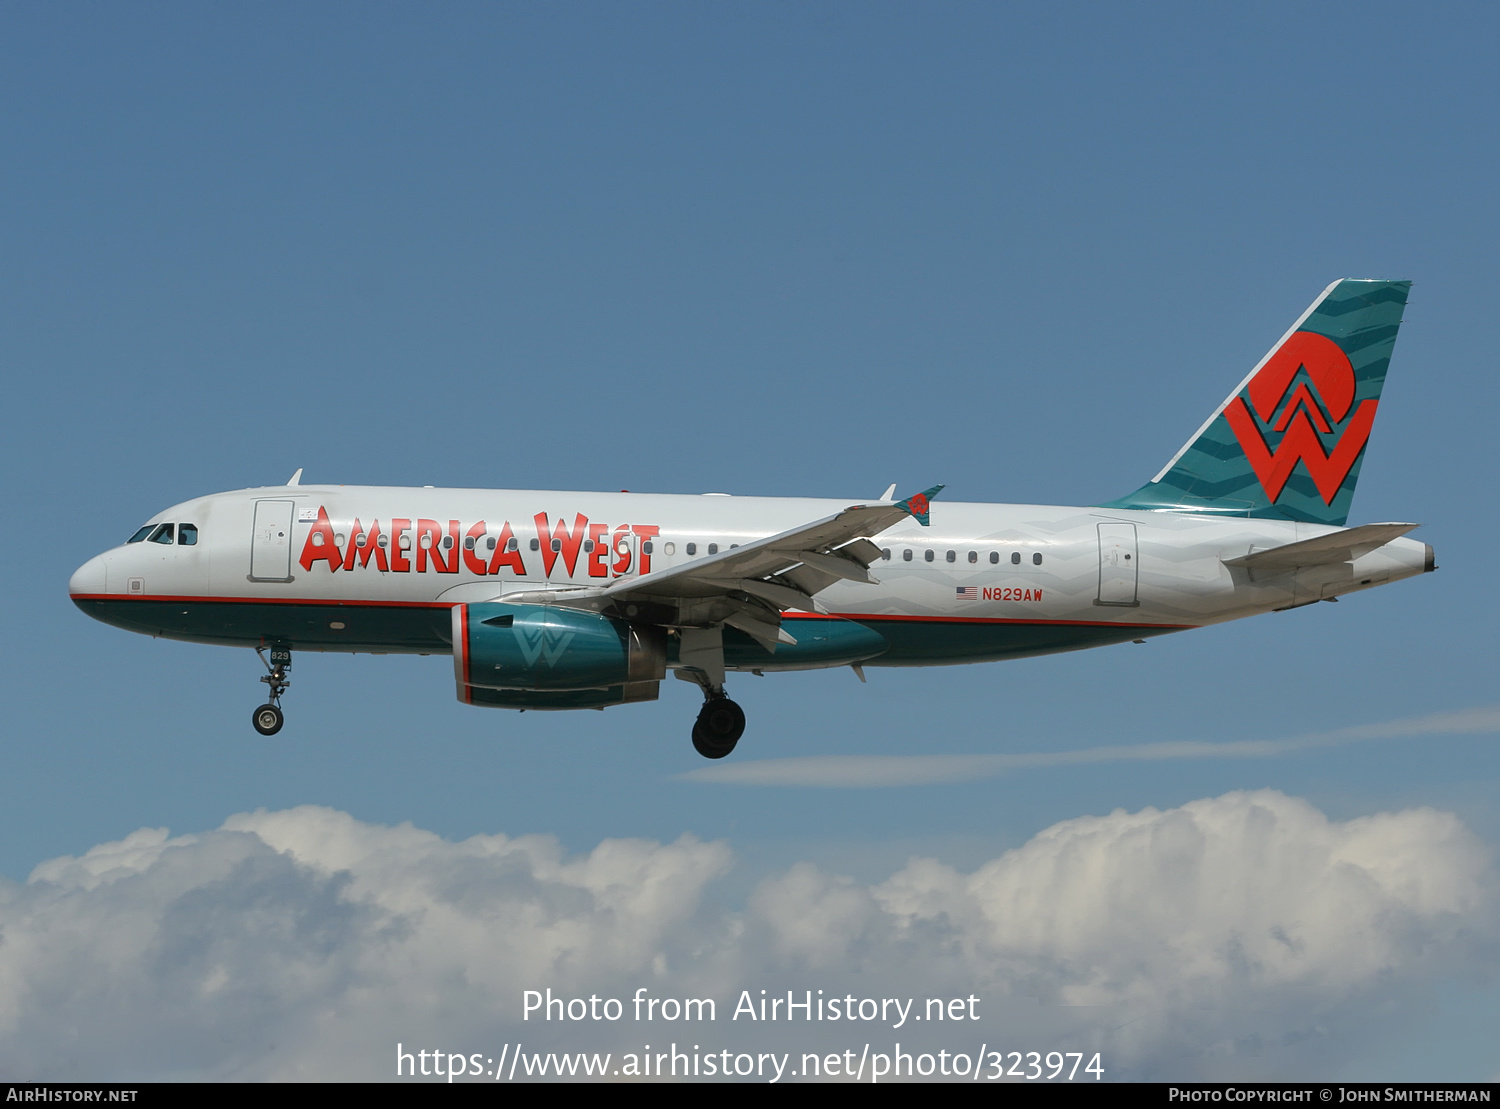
[[547, 644], [1304, 389]]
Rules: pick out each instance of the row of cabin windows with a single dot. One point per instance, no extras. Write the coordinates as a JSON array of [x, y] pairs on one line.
[[186, 534], [648, 547], [588, 546], [930, 555], [512, 544]]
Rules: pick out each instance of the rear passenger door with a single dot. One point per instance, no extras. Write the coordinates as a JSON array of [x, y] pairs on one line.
[[1118, 565]]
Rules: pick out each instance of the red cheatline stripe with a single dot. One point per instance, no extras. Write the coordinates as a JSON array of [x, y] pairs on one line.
[[261, 601], [871, 617]]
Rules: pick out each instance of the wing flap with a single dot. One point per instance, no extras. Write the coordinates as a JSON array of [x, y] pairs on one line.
[[781, 596], [767, 634], [838, 566]]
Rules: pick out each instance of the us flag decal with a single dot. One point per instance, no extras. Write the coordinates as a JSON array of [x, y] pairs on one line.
[[968, 592]]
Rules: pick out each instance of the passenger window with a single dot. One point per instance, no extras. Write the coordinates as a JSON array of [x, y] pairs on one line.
[[382, 542], [588, 546], [490, 543], [162, 534], [669, 547], [885, 553], [556, 546], [447, 542], [973, 556], [647, 547], [906, 555], [952, 556], [187, 535], [713, 548], [1036, 559], [692, 548], [514, 544], [469, 543], [994, 557], [140, 535], [1015, 558], [927, 554], [536, 544]]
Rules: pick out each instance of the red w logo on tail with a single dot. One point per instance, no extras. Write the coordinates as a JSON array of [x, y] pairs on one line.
[[1301, 416]]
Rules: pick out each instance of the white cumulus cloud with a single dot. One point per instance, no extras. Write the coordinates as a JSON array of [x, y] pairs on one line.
[[1239, 936]]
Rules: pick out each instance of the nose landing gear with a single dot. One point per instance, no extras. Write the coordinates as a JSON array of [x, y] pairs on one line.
[[269, 717]]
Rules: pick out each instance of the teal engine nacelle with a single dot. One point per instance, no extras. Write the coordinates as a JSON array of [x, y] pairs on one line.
[[541, 657]]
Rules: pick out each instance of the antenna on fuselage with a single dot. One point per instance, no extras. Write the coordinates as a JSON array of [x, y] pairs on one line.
[[296, 479]]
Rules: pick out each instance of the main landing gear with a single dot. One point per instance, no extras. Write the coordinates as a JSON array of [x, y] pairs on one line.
[[269, 717], [719, 726], [720, 722]]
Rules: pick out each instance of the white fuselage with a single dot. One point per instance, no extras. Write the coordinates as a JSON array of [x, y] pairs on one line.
[[353, 568]]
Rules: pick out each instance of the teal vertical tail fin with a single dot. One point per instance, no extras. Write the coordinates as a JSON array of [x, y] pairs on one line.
[[1288, 442]]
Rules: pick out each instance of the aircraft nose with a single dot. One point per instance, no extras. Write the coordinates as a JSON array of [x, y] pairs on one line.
[[91, 577]]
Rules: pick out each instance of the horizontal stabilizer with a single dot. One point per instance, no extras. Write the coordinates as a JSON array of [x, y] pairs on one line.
[[1337, 546]]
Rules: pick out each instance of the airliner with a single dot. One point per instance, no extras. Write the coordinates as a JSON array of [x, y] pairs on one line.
[[558, 600]]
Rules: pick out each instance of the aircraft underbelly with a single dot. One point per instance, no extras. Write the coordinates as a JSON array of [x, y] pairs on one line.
[[944, 643], [417, 629], [423, 629]]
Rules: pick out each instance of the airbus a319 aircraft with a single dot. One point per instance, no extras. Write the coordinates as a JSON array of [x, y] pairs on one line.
[[551, 600]]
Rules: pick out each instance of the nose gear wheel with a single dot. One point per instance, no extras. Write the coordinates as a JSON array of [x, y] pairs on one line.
[[268, 719]]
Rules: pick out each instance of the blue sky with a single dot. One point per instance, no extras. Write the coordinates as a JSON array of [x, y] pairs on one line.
[[780, 249]]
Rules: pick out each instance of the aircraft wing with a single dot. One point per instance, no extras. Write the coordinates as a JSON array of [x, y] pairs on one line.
[[1337, 546], [808, 558], [750, 585]]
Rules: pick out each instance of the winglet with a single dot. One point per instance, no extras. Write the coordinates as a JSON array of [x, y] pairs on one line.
[[917, 505], [297, 477]]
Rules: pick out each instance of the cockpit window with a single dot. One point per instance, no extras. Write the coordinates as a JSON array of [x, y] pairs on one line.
[[162, 534], [141, 535], [187, 534]]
